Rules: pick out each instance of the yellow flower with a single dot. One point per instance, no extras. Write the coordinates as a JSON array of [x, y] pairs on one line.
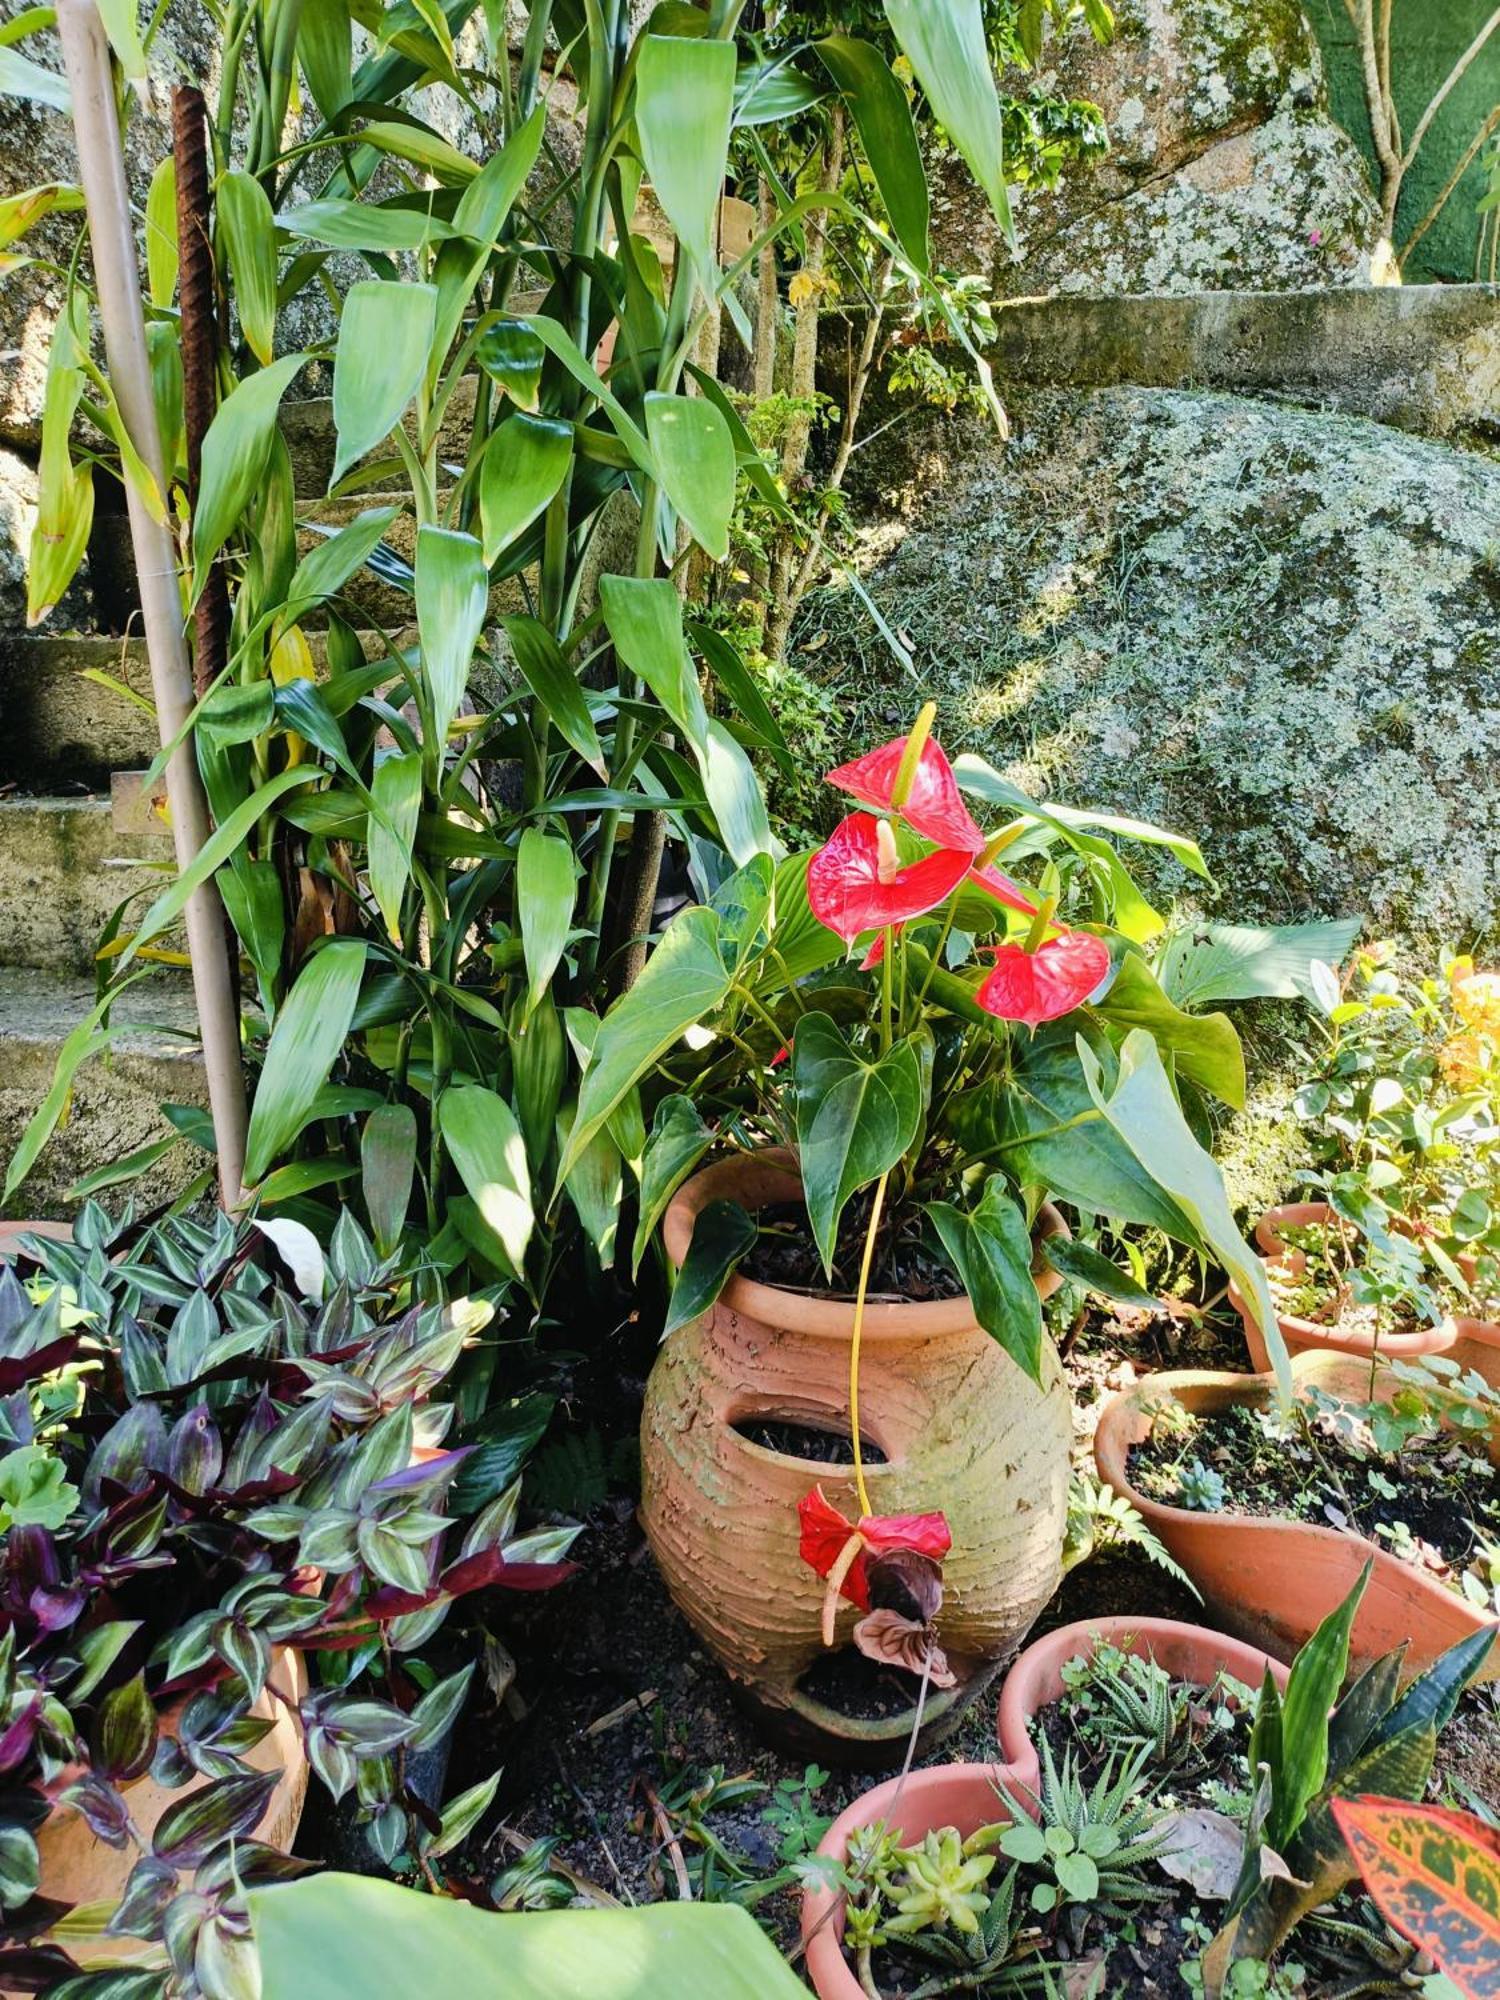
[[1476, 1001]]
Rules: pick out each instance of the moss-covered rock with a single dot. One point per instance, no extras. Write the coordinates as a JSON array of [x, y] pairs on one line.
[[1273, 628]]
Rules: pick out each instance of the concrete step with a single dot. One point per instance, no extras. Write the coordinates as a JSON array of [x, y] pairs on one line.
[[115, 1108], [63, 870]]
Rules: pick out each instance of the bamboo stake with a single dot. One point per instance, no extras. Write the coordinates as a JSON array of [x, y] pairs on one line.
[[112, 241]]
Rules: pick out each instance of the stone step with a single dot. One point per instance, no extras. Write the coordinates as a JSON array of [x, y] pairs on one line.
[[63, 870], [116, 1099]]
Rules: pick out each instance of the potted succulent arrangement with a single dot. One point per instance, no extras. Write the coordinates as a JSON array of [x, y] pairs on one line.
[[1401, 1255], [1151, 1812], [856, 1435], [225, 1497], [1273, 1511]]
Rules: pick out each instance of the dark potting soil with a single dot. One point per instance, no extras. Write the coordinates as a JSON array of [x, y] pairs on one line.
[[904, 1268], [1431, 1505], [805, 1441], [860, 1688]]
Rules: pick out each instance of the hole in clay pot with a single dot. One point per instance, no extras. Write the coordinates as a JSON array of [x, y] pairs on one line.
[[794, 1437], [850, 1684]]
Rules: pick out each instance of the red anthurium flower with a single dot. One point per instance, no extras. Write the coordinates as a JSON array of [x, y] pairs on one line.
[[932, 807], [1037, 986], [1002, 889], [826, 1535], [856, 881]]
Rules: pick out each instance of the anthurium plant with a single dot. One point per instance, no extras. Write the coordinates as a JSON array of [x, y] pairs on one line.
[[218, 1460]]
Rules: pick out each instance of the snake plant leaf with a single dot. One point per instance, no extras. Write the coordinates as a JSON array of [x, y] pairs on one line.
[[545, 886], [887, 134], [309, 1034], [945, 46], [247, 229], [695, 453], [542, 665], [525, 462], [453, 589], [485, 1144], [236, 451], [385, 334], [855, 1119], [644, 617], [684, 105]]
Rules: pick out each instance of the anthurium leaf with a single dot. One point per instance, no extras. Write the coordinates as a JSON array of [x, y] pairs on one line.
[[695, 453], [1205, 963], [542, 665], [545, 887], [236, 449], [679, 1139], [886, 133], [1204, 1047], [645, 621], [397, 790], [1144, 1113], [385, 333], [855, 1119], [525, 462], [247, 229], [945, 46], [1094, 1272], [722, 1234], [990, 1249], [330, 1935], [684, 104], [309, 1034], [684, 980], [453, 588], [388, 1159], [482, 1136]]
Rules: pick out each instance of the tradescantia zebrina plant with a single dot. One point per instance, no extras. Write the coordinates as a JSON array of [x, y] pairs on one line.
[[440, 845], [203, 1466]]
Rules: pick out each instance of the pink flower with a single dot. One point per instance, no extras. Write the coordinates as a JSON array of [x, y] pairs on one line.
[[857, 882], [1037, 986], [932, 807]]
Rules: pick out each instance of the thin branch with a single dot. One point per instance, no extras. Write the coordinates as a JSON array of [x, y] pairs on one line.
[[1454, 77], [1491, 124]]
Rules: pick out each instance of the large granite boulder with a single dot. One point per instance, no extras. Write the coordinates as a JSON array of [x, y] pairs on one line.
[[1274, 628]]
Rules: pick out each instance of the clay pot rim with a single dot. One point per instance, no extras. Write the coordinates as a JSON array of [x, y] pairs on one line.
[[1123, 1423], [814, 1313], [1280, 1256]]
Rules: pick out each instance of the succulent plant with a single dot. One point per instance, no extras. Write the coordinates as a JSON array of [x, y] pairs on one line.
[[215, 1442]]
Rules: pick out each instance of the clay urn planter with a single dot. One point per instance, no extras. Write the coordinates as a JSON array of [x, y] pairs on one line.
[[1272, 1581], [79, 1868], [967, 1796], [1283, 1260], [962, 1429]]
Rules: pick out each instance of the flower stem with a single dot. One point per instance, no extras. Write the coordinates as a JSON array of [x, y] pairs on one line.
[[859, 1322]]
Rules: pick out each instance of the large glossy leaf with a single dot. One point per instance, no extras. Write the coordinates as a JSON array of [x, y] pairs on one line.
[[545, 885], [734, 796], [684, 102], [453, 589], [308, 1036], [684, 981], [396, 788], [1146, 1115], [887, 135], [990, 1247], [247, 229], [1434, 1874], [722, 1234], [855, 1119], [385, 333], [482, 1136], [542, 665], [695, 454], [524, 463], [334, 1935], [1204, 1047], [1206, 963], [945, 45], [679, 1139], [388, 1159], [236, 450], [358, 225], [983, 781], [645, 621], [325, 46], [489, 198]]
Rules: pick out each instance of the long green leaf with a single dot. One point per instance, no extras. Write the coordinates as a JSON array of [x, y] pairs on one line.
[[453, 589], [945, 45], [695, 453], [645, 621], [855, 1119], [1311, 1690], [679, 1139], [684, 105], [541, 664], [235, 453], [1204, 1047], [524, 463], [358, 225], [990, 1247], [488, 199], [722, 1235], [385, 333], [86, 1040], [545, 887], [388, 1160], [248, 230], [308, 1037], [485, 1144], [734, 796], [396, 788], [887, 135], [325, 569]]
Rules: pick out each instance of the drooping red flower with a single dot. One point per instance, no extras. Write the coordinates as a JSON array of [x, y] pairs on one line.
[[1002, 889], [857, 882], [826, 1533], [933, 807], [1037, 986]]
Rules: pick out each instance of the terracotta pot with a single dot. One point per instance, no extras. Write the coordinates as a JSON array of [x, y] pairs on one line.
[[1273, 1581], [1283, 1260], [77, 1867], [1187, 1652], [961, 1427]]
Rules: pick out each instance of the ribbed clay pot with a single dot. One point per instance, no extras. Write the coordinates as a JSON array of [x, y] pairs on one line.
[[962, 1429], [1272, 1580], [1284, 1260]]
